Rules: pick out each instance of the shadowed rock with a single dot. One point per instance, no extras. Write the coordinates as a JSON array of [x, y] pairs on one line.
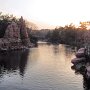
[[15, 37], [23, 32], [80, 53], [12, 31], [77, 60], [80, 56]]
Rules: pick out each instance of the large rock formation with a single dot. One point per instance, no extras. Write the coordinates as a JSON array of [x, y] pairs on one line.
[[22, 27], [80, 56], [12, 31], [16, 36], [23, 32], [82, 62]]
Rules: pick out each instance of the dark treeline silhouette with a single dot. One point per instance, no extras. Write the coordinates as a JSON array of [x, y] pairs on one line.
[[5, 20], [71, 35], [11, 61], [33, 39]]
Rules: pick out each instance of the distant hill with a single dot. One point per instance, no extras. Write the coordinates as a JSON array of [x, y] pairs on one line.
[[31, 25], [39, 25]]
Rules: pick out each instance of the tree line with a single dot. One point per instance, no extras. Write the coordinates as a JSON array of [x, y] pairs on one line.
[[69, 34]]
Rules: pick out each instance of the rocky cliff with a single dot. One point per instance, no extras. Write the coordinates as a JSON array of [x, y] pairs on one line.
[[16, 36], [23, 32]]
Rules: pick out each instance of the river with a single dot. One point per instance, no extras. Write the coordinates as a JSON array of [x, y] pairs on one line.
[[46, 67]]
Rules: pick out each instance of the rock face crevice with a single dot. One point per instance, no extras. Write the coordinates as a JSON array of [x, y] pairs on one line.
[[23, 32], [16, 36]]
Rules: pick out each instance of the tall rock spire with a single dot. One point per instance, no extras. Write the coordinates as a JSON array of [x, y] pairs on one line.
[[23, 29], [23, 32]]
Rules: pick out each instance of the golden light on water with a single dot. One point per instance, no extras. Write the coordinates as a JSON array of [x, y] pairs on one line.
[[54, 58]]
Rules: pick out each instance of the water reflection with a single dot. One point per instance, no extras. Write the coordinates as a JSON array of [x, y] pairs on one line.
[[80, 68], [12, 61], [47, 67], [56, 49]]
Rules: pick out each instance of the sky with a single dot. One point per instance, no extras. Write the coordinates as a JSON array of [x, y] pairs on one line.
[[49, 12]]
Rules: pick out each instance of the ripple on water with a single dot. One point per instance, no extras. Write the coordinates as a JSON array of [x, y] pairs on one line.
[[47, 67]]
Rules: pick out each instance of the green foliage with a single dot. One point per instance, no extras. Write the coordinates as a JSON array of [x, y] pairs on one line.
[[67, 35], [55, 36], [33, 39], [5, 20]]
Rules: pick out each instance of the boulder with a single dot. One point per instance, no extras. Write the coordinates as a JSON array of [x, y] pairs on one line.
[[79, 68], [77, 60], [82, 49], [80, 53]]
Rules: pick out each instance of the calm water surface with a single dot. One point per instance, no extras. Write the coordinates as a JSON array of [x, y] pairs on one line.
[[47, 67]]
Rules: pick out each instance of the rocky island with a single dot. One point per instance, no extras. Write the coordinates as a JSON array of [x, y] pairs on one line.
[[15, 37]]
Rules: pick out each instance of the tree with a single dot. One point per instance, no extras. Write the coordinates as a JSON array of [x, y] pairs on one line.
[[55, 38], [83, 26], [5, 20]]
